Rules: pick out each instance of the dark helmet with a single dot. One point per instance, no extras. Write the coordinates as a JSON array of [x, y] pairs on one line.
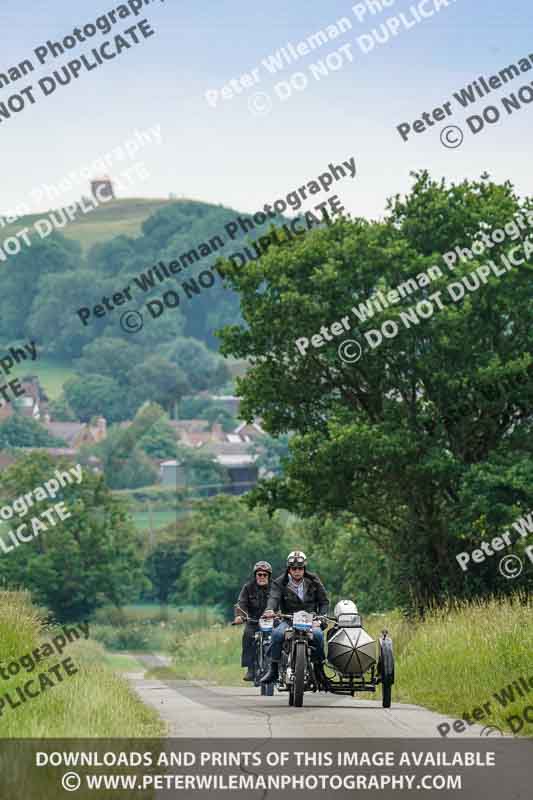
[[264, 565], [296, 559]]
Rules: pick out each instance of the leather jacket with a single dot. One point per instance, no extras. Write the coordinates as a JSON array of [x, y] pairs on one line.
[[282, 598], [252, 599]]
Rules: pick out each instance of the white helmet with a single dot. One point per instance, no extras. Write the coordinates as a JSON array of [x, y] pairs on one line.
[[344, 607], [296, 559]]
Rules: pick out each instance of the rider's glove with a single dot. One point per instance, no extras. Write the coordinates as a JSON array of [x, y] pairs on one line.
[[324, 624]]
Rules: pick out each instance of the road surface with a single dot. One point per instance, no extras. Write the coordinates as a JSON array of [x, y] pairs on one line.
[[196, 709]]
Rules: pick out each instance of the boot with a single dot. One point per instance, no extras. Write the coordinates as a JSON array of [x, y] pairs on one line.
[[272, 674], [320, 674], [249, 675]]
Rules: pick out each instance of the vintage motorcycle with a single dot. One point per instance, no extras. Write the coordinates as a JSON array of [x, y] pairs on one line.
[[262, 639], [297, 672], [355, 661]]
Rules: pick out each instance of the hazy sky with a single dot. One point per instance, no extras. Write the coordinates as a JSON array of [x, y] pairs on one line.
[[228, 155]]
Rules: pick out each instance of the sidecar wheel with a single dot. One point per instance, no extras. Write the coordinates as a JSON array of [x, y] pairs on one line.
[[386, 694], [386, 663]]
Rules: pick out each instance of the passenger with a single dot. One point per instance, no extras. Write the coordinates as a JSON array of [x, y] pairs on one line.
[[251, 603]]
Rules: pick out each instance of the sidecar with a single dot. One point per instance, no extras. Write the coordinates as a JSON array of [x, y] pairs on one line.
[[355, 661]]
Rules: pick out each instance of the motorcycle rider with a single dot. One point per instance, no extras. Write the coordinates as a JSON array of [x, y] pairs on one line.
[[251, 603], [296, 589]]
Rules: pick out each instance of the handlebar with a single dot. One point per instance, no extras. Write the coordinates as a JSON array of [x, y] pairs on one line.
[[279, 615], [289, 616]]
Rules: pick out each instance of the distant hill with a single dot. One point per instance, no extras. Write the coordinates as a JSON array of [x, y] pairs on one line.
[[117, 217], [120, 240]]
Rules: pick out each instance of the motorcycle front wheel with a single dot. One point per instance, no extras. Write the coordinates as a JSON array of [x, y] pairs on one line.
[[299, 674]]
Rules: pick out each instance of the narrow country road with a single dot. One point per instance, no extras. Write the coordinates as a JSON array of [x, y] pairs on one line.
[[196, 709]]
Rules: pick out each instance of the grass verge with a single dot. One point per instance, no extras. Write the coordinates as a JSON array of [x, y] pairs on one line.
[[94, 702], [464, 656]]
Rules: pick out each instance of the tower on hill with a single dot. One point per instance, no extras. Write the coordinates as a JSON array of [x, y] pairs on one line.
[[102, 188]]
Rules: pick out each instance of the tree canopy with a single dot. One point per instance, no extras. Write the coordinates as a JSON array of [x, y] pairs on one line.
[[20, 431], [427, 439], [84, 561]]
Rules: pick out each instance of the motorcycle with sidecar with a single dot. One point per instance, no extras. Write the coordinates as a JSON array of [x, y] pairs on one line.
[[355, 662]]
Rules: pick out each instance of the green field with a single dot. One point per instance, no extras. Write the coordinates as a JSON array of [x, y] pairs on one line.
[[118, 217], [52, 374], [145, 521], [149, 628]]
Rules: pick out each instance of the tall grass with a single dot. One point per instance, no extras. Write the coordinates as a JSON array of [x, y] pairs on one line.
[[212, 655], [92, 703], [458, 657]]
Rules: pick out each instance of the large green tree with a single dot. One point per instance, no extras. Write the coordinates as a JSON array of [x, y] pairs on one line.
[[165, 561], [125, 462], [109, 356], [57, 296], [159, 380], [426, 439], [86, 560], [350, 565], [97, 395], [23, 279], [160, 440], [203, 368], [226, 539]]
